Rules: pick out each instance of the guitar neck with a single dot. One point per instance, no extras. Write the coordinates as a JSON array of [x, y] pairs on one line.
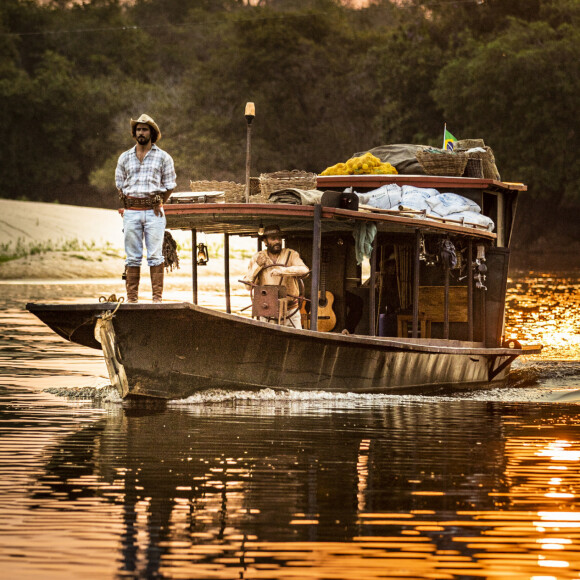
[[323, 263]]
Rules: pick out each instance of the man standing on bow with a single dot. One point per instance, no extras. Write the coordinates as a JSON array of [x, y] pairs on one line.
[[145, 178], [278, 266]]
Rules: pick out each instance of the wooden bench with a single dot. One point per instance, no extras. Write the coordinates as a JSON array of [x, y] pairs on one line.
[[432, 309], [406, 320]]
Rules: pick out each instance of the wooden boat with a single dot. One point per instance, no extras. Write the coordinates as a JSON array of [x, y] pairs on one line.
[[424, 326]]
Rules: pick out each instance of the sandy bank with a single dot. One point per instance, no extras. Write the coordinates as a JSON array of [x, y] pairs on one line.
[[92, 238], [36, 222]]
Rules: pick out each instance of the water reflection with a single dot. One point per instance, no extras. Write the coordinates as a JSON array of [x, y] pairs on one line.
[[276, 488], [450, 490], [546, 309]]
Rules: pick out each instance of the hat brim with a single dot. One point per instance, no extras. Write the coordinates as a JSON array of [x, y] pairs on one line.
[[272, 232], [153, 124]]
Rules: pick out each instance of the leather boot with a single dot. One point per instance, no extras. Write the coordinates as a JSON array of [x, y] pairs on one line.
[[132, 282], [157, 273]]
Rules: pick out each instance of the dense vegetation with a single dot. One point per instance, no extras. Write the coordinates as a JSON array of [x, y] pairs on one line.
[[327, 80]]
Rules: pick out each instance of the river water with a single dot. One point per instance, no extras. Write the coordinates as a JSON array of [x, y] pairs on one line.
[[279, 486]]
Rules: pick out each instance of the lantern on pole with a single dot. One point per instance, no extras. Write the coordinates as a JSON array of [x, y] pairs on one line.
[[250, 113]]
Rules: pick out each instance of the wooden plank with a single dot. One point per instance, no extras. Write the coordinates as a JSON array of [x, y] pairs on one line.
[[436, 181], [432, 303]]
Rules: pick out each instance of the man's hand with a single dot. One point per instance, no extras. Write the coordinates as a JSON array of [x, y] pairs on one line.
[[121, 210], [277, 271], [261, 260], [158, 210]]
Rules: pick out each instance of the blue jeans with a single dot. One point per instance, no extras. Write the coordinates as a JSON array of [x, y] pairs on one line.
[[139, 225]]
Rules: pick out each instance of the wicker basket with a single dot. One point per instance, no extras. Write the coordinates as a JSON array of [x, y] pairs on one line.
[[270, 182], [473, 168], [233, 192], [488, 167], [440, 162], [490, 170]]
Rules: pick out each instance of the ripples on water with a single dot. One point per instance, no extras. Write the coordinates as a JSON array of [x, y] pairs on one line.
[[546, 309], [266, 485]]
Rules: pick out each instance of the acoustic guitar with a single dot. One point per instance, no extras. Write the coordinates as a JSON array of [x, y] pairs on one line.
[[326, 315]]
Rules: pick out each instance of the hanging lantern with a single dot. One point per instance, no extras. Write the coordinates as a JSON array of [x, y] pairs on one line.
[[202, 255]]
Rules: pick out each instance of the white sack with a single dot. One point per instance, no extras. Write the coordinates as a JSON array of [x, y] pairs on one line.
[[385, 197], [448, 203], [473, 218], [423, 191]]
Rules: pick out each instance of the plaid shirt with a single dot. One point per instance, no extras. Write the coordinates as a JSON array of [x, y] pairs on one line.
[[141, 179]]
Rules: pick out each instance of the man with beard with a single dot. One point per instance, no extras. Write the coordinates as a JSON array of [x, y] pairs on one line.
[[145, 178], [278, 266]]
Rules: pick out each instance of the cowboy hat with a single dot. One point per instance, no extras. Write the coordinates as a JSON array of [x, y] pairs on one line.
[[272, 231], [147, 120]]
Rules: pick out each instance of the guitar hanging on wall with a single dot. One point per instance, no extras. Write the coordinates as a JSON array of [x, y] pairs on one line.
[[326, 315]]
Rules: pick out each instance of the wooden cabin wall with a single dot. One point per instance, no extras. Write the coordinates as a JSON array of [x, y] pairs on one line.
[[497, 272], [390, 277], [349, 295], [432, 278]]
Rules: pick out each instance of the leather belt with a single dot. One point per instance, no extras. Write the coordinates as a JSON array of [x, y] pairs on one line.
[[142, 203]]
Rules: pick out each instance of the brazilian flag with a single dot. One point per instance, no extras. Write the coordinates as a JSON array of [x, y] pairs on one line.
[[448, 140]]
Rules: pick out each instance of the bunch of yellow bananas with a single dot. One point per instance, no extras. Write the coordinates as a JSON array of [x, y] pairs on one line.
[[366, 164]]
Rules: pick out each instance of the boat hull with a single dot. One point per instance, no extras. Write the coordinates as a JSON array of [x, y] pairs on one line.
[[171, 351]]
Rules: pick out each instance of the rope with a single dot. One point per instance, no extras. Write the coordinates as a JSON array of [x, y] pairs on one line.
[[112, 298]]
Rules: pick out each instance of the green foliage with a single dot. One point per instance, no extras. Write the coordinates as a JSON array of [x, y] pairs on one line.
[[327, 80], [13, 250], [518, 92]]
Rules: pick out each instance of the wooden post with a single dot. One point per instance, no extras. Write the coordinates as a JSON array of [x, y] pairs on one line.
[[500, 226], [372, 285], [227, 272], [446, 304], [194, 263], [483, 316], [470, 290], [316, 248], [250, 113], [417, 264]]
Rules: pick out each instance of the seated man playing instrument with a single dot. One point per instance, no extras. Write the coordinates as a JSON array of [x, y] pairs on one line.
[[277, 266]]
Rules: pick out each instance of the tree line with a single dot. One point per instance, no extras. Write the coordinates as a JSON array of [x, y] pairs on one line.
[[327, 79]]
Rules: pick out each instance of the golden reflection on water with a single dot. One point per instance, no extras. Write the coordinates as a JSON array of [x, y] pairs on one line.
[[546, 309], [529, 529], [220, 518], [514, 541]]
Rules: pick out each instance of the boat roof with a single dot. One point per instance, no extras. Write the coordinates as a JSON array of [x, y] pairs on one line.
[[245, 218]]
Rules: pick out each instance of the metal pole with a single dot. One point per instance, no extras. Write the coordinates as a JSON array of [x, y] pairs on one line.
[[416, 284], [250, 114], [227, 272], [194, 263], [316, 248], [372, 285], [470, 290]]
